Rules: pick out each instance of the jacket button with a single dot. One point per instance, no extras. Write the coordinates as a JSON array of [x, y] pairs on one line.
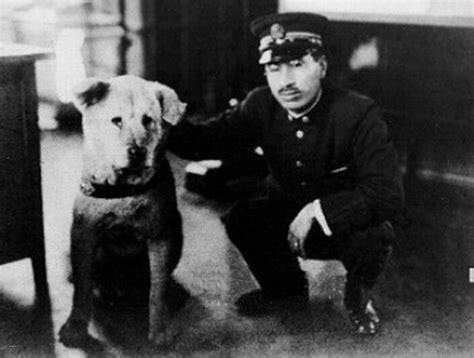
[[303, 183], [299, 164], [299, 134], [305, 119]]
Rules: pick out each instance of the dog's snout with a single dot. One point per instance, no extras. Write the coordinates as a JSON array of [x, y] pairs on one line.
[[136, 152]]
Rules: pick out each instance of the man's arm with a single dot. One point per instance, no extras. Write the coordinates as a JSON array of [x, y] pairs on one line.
[[220, 137], [378, 193], [377, 196]]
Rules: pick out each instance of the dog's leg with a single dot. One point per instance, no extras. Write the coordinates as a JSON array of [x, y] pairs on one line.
[[161, 332], [74, 331]]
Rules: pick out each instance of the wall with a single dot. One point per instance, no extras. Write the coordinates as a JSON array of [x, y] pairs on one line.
[[424, 78], [204, 49], [420, 12], [422, 75]]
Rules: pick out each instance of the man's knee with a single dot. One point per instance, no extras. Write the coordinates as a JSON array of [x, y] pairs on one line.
[[255, 222]]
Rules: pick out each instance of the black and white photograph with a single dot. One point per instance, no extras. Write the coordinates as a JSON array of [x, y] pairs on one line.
[[236, 178]]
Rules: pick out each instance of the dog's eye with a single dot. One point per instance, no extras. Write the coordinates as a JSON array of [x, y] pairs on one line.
[[117, 121], [146, 121]]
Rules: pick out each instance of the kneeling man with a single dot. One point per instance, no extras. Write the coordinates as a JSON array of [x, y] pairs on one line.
[[334, 189]]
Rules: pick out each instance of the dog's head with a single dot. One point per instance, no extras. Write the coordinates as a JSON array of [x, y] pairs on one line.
[[124, 122]]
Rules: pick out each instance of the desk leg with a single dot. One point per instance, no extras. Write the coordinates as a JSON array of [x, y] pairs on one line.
[[32, 143], [38, 261]]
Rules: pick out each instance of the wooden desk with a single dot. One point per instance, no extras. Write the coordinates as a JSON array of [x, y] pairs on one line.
[[21, 209]]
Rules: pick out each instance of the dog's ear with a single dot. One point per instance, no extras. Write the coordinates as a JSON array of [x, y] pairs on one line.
[[89, 92], [172, 109]]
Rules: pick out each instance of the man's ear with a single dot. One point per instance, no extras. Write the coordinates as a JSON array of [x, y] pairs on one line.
[[324, 65], [172, 109], [89, 92]]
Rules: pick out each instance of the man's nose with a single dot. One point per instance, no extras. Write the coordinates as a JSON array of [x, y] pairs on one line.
[[286, 77]]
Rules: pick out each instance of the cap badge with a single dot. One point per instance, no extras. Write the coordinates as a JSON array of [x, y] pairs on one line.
[[277, 32]]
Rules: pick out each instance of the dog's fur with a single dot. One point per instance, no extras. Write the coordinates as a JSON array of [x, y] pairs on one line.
[[136, 221]]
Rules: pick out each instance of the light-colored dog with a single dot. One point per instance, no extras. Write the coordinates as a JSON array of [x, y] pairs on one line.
[[126, 208]]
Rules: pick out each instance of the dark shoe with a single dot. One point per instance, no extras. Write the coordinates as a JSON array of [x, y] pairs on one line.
[[358, 302], [256, 303], [366, 321]]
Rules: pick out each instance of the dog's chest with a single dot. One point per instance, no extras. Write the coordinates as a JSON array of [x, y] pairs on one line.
[[126, 224]]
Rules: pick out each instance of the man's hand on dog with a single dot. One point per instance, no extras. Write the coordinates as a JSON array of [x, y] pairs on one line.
[[299, 230]]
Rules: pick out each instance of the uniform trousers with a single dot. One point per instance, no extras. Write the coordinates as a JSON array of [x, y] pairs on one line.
[[259, 228]]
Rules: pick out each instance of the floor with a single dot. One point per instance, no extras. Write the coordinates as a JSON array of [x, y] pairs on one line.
[[425, 300]]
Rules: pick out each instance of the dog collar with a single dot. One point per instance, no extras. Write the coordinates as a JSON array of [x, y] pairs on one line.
[[107, 191]]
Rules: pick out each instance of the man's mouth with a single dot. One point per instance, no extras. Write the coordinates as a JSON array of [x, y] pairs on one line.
[[289, 94]]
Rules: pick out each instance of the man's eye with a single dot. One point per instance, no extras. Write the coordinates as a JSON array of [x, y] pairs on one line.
[[273, 68], [117, 121], [296, 63]]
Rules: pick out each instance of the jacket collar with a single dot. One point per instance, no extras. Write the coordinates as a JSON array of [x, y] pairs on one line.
[[309, 109], [319, 114]]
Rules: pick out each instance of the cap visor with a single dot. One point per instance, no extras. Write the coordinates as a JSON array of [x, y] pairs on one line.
[[266, 57], [282, 56]]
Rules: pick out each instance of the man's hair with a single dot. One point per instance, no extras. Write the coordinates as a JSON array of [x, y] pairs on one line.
[[317, 53]]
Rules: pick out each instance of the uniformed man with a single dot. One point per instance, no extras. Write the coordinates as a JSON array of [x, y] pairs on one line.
[[334, 188]]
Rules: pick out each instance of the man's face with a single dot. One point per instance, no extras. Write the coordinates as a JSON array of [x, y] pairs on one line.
[[296, 83]]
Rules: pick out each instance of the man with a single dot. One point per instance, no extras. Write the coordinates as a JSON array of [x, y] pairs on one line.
[[334, 186]]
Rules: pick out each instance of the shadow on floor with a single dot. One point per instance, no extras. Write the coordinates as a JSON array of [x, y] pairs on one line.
[[25, 331]]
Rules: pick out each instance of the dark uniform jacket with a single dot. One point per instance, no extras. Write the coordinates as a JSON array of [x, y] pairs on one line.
[[340, 152]]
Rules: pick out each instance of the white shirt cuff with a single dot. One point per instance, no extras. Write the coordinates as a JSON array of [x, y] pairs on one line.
[[320, 218]]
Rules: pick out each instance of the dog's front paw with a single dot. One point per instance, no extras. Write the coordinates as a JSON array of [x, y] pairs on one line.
[[74, 333]]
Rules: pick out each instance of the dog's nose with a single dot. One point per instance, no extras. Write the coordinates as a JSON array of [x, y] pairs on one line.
[[136, 152]]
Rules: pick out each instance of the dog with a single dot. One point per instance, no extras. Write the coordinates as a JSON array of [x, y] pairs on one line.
[[125, 212]]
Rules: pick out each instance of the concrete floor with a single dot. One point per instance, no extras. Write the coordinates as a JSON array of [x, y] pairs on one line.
[[425, 300]]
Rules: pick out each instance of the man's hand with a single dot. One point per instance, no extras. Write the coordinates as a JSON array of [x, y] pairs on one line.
[[299, 230]]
